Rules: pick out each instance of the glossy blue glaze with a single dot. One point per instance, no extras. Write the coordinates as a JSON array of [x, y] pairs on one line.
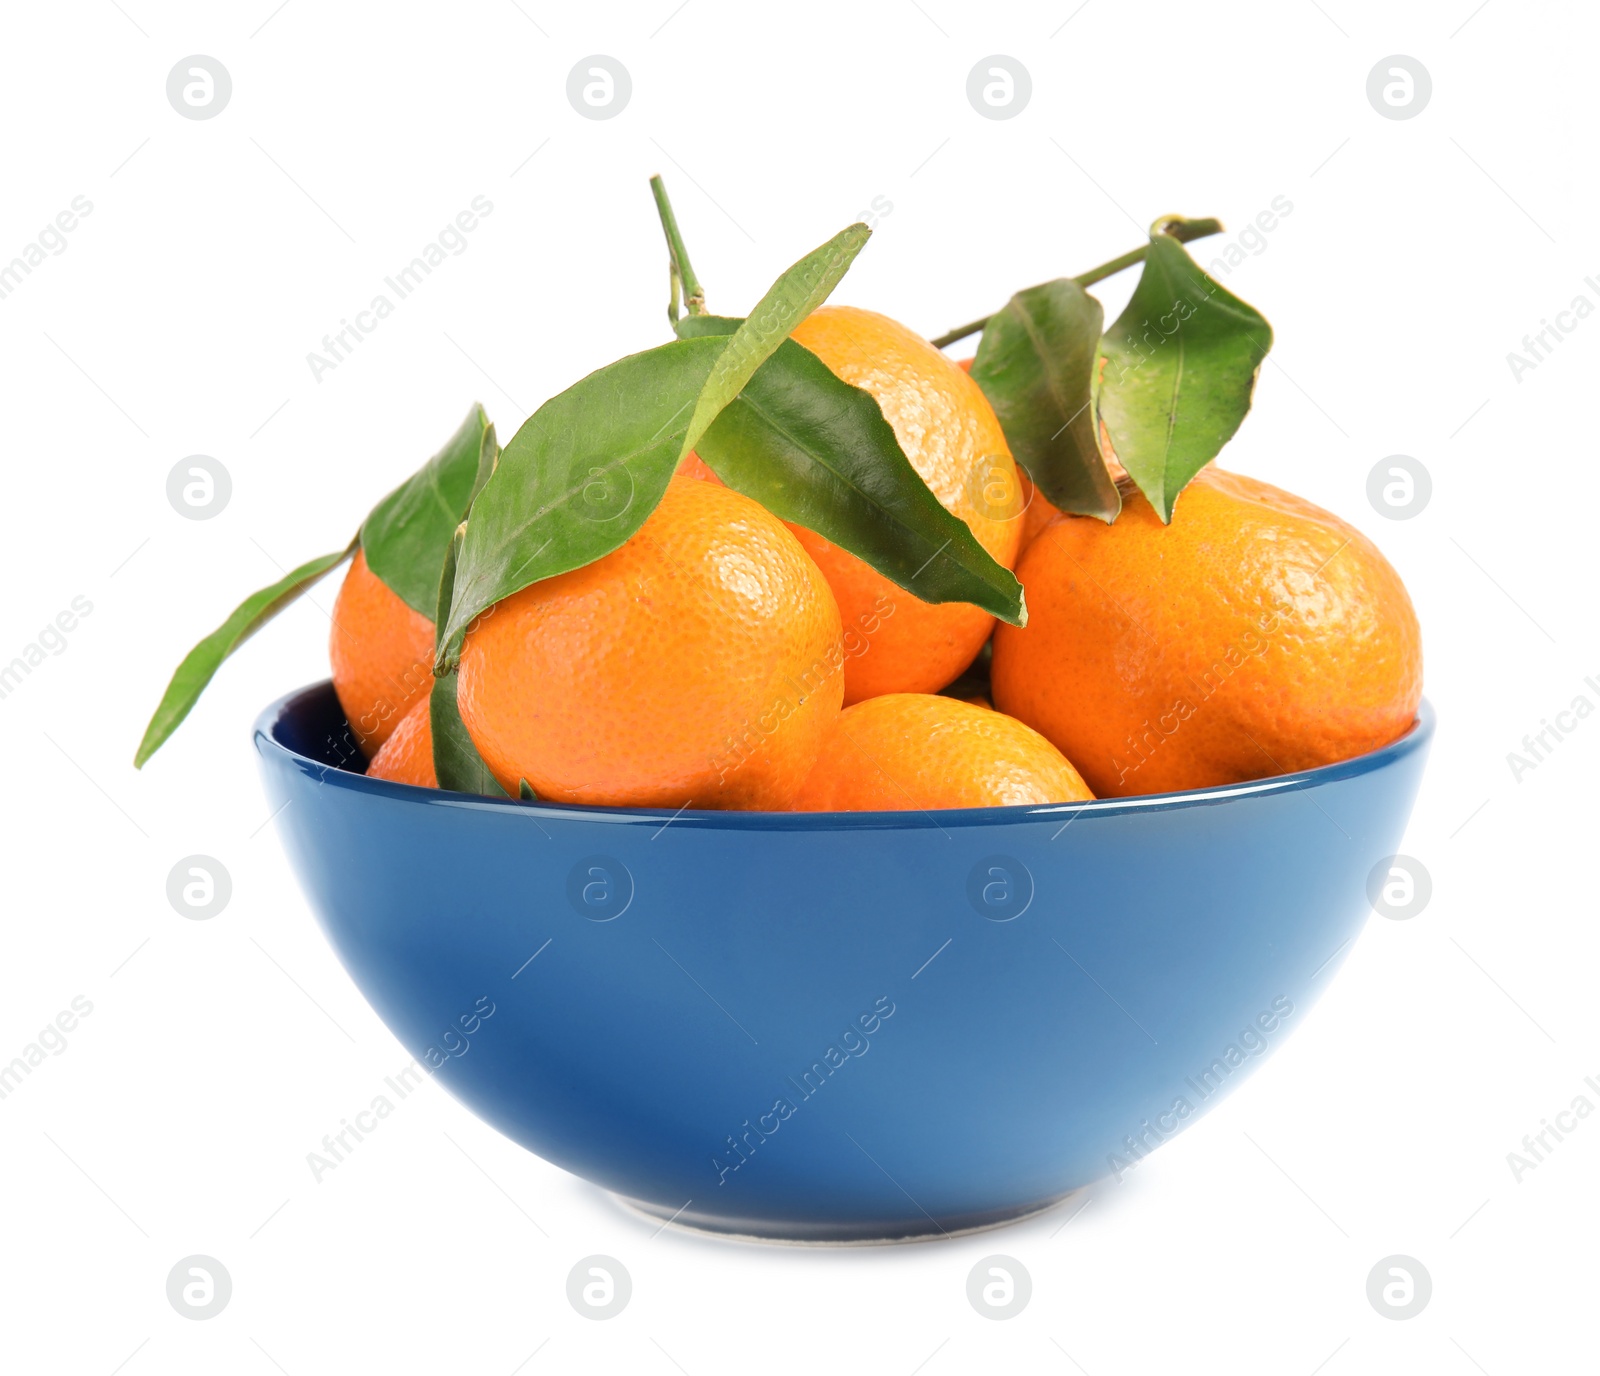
[[836, 1026]]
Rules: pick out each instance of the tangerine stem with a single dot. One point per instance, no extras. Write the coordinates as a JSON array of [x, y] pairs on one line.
[[694, 295], [1174, 226]]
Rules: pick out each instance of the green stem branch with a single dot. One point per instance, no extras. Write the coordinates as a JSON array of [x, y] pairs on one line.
[[694, 295], [1174, 226]]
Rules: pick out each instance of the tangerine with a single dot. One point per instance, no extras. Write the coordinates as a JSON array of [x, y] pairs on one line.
[[381, 651], [918, 750], [700, 663], [1257, 634], [407, 756]]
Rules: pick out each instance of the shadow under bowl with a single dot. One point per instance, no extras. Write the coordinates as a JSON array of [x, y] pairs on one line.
[[836, 1027]]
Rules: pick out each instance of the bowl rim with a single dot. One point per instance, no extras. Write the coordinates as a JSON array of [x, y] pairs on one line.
[[1415, 738]]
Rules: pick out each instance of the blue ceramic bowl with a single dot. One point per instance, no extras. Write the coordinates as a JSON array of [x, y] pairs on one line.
[[836, 1027]]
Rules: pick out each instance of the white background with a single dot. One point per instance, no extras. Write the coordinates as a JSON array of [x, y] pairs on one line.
[[177, 321]]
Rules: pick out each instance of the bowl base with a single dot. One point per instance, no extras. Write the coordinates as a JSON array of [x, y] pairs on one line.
[[838, 1234]]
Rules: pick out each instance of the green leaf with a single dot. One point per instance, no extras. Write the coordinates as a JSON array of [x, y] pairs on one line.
[[202, 662], [456, 762], [1180, 367], [1036, 364], [578, 478], [457, 765], [405, 539], [789, 300], [814, 450], [525, 791], [406, 535]]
